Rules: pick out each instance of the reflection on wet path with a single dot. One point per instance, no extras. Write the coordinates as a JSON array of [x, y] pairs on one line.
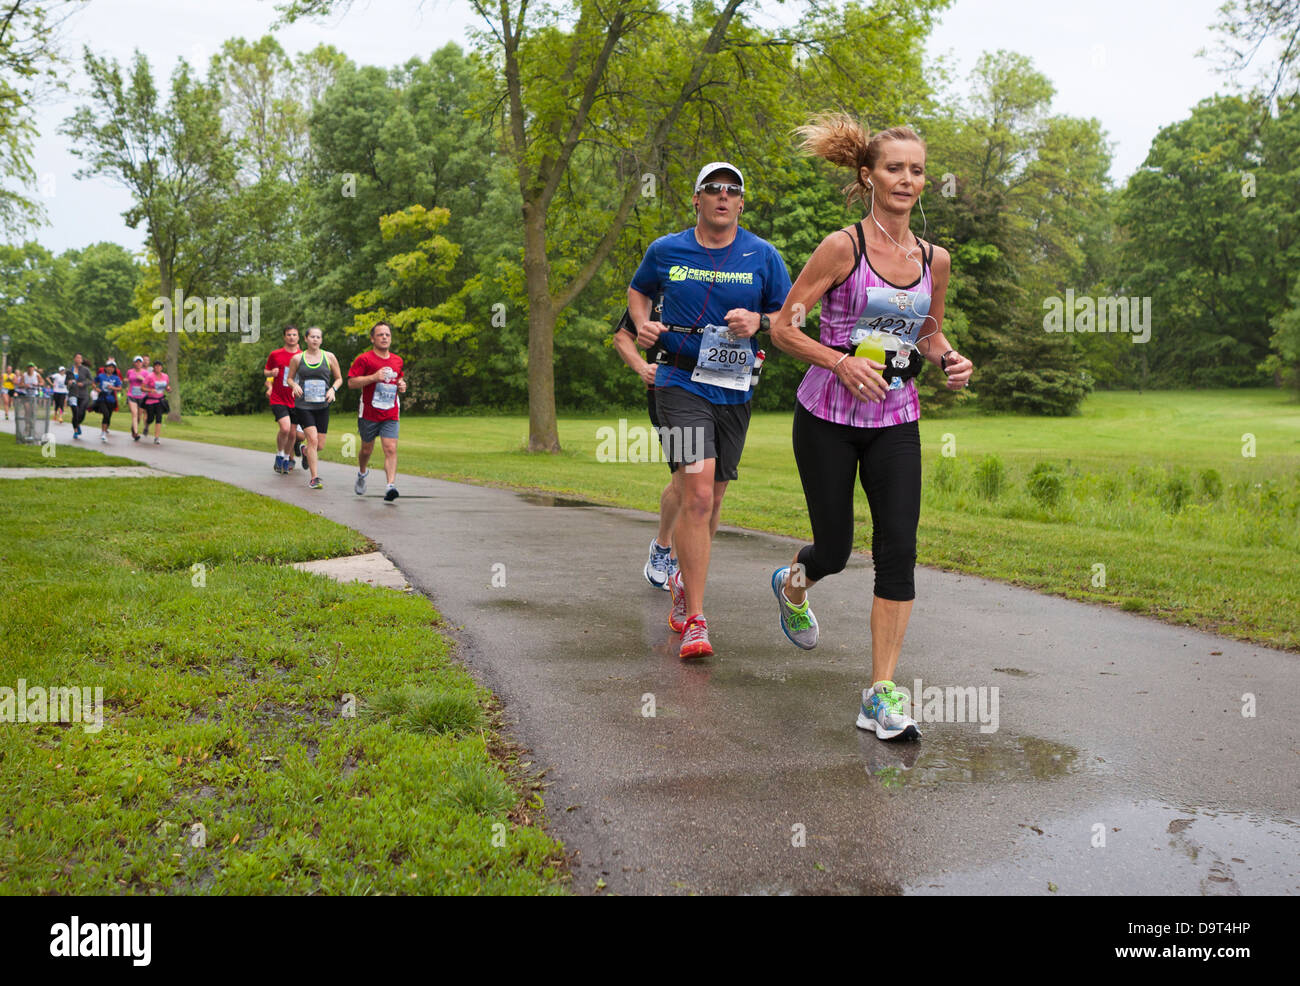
[[1140, 848]]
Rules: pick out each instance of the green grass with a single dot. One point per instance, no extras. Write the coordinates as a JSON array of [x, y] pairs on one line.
[[227, 691], [1225, 563], [13, 455]]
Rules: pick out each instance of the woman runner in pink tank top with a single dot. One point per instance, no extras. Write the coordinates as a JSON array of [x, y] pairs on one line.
[[856, 419]]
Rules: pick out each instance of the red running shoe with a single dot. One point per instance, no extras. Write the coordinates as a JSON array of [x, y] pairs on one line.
[[695, 639], [677, 616]]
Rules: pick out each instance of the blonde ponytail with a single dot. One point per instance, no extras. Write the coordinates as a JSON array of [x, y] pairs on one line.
[[842, 140]]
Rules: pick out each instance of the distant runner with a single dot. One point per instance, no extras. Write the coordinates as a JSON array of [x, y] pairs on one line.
[[279, 392], [59, 388], [315, 378], [109, 385], [135, 395], [30, 381], [378, 374], [156, 389], [80, 378]]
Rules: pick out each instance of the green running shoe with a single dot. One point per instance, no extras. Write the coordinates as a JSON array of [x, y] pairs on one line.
[[884, 713], [798, 622]]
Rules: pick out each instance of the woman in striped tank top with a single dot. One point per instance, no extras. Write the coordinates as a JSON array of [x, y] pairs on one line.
[[882, 292]]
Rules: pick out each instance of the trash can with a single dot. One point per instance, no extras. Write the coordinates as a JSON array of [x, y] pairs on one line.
[[31, 418]]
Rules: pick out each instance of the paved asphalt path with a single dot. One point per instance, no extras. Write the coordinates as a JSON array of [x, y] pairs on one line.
[[750, 776]]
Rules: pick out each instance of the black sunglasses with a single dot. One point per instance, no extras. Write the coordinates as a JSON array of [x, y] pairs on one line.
[[716, 187]]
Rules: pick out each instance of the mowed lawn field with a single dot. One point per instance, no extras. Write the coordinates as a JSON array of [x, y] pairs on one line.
[[1181, 505], [181, 712]]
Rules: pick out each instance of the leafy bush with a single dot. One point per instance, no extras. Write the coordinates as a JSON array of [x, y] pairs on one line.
[[990, 477], [1175, 492], [1007, 385], [944, 475], [1046, 485], [1211, 484]]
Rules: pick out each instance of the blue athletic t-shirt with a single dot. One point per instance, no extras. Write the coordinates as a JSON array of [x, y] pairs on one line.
[[108, 380], [700, 285]]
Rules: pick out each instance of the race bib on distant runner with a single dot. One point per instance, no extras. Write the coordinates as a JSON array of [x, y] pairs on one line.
[[313, 391], [72, 400], [385, 396], [137, 391], [159, 388], [724, 360], [286, 376]]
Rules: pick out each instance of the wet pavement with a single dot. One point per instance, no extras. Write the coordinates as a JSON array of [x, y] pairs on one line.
[[1113, 757]]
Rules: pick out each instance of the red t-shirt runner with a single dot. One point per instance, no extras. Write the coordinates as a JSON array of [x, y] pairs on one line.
[[278, 363], [378, 400]]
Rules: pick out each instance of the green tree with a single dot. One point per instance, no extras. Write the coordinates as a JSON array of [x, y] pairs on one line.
[[34, 290], [1210, 234], [55, 306], [1283, 361], [1247, 26], [1022, 209], [416, 276], [104, 279], [591, 101], [175, 161], [29, 60]]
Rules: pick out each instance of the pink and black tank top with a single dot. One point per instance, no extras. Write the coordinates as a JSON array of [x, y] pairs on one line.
[[821, 392]]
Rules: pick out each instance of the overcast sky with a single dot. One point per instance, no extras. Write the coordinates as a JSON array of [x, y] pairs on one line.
[[1130, 63]]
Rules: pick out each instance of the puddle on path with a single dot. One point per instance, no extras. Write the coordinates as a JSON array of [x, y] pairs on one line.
[[950, 754], [547, 500], [1143, 847]]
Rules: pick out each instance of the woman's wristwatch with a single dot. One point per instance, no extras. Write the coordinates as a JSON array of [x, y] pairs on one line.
[[943, 360]]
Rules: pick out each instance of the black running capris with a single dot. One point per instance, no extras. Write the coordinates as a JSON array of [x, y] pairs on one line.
[[887, 461], [313, 417]]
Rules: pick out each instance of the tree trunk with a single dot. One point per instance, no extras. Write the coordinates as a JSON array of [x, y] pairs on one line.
[[173, 345], [543, 431]]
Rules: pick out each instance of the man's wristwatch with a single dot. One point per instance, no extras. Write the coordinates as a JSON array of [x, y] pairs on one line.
[[764, 323], [943, 360]]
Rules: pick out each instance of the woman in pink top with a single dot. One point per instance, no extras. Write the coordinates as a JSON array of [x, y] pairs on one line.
[[882, 288], [156, 388], [135, 396]]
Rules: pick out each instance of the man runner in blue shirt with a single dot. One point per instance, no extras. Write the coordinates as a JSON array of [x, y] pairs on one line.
[[720, 283]]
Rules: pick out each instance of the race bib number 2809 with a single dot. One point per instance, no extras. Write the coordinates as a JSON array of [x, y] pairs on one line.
[[724, 360]]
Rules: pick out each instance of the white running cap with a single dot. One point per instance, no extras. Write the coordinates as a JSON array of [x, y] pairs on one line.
[[713, 166]]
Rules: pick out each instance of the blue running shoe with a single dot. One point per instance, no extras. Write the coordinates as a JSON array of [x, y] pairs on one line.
[[279, 463], [657, 568], [798, 622], [884, 713]]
